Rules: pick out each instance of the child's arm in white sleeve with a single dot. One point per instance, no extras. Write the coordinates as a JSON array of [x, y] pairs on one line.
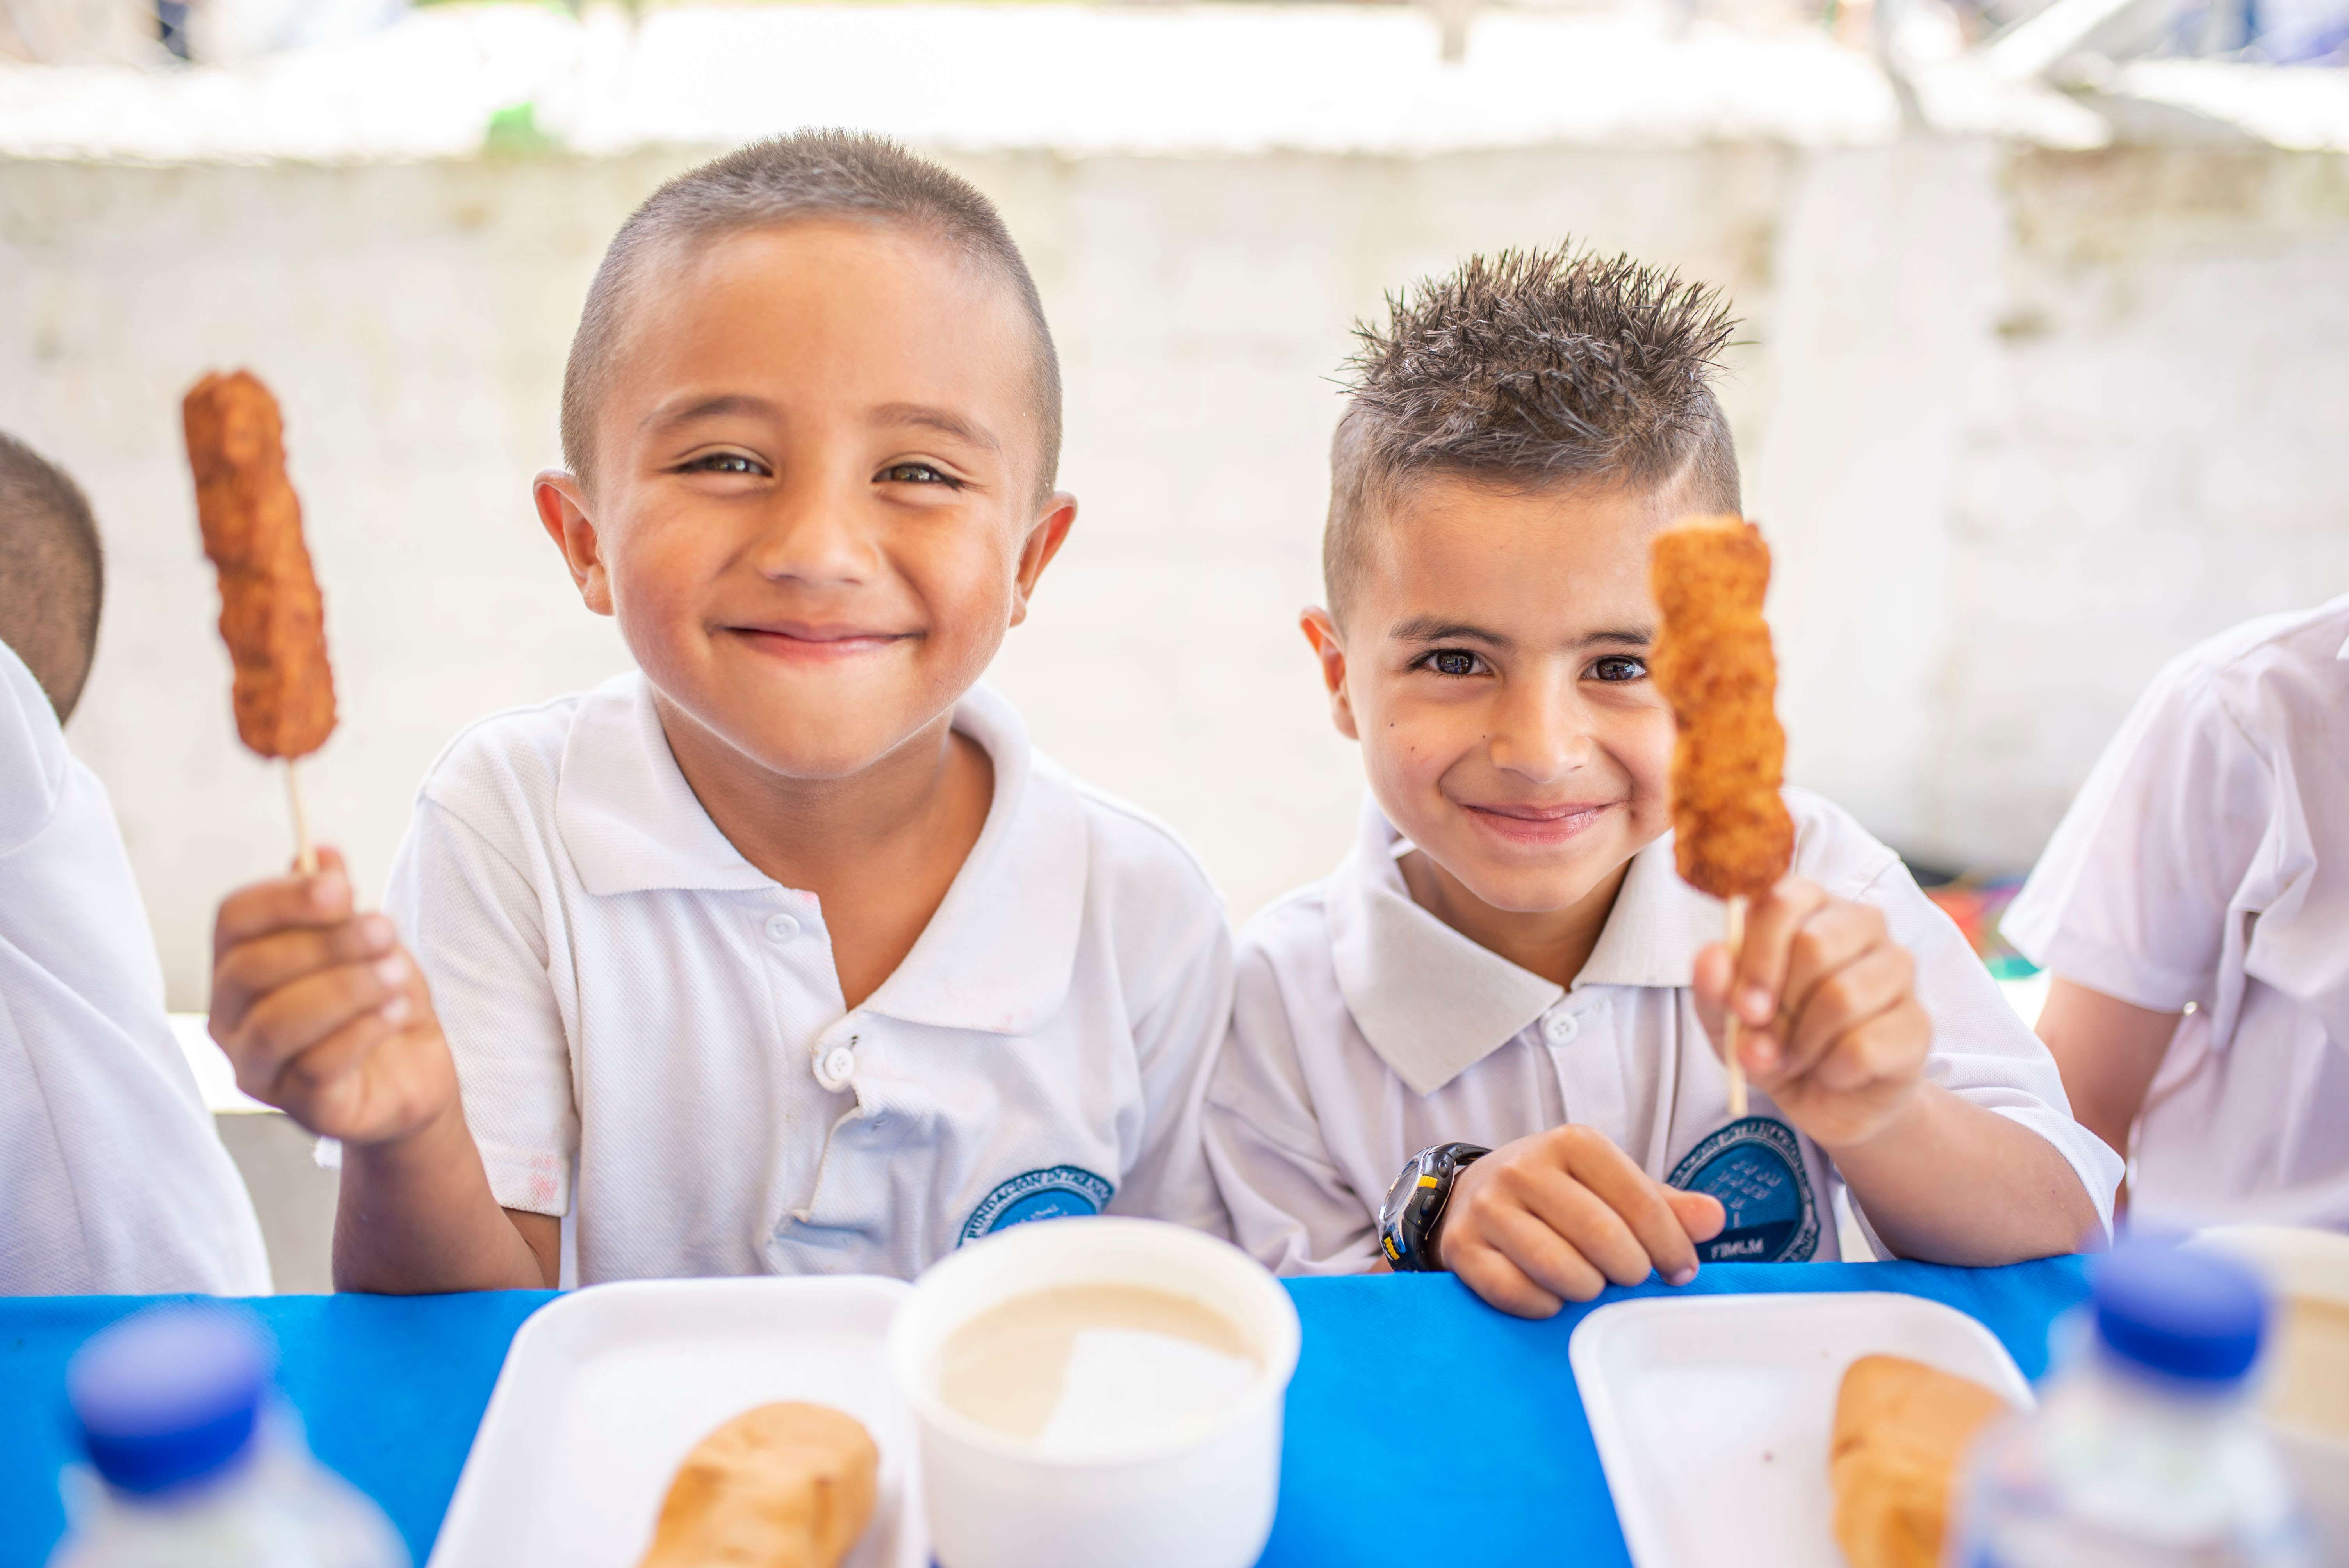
[[2128, 906], [1174, 1041], [1873, 1025], [328, 1015], [1289, 1205]]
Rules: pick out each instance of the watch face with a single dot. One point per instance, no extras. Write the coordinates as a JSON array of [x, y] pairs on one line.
[[1404, 1186]]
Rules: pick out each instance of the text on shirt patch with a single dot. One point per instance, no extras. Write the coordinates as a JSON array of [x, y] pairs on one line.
[[1055, 1193], [1755, 1166]]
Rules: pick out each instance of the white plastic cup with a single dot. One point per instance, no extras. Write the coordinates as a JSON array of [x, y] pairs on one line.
[[1203, 1500]]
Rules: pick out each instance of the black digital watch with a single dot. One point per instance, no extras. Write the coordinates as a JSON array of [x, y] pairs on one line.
[[1410, 1221]]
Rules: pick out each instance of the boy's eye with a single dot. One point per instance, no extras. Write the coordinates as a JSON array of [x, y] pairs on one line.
[[722, 463], [918, 474], [1452, 662], [1619, 667]]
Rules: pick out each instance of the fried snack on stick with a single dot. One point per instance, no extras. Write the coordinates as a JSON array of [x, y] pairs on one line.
[[1712, 661], [271, 616], [780, 1486], [1901, 1431]]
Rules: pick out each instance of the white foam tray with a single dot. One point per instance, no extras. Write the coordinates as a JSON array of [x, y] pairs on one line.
[[606, 1389], [1712, 1414]]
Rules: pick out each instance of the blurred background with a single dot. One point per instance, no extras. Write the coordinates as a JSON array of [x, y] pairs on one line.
[[2042, 376]]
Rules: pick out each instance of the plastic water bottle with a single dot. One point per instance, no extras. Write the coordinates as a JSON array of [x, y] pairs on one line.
[[196, 1464], [2145, 1451]]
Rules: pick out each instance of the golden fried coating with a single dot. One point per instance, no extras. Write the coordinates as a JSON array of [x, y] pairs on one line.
[[1712, 663], [271, 616]]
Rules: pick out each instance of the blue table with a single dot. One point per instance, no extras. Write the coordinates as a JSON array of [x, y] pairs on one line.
[[1405, 1381]]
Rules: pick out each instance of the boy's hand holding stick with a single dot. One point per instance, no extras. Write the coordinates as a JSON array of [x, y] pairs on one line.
[[1814, 986], [310, 1000]]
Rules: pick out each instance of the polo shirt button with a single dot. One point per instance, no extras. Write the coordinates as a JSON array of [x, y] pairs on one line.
[[835, 1067], [1560, 1028], [781, 928]]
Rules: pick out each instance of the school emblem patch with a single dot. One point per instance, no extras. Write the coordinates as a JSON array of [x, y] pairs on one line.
[[1056, 1192], [1756, 1168]]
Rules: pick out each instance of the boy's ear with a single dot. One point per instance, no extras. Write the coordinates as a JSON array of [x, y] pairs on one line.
[[1043, 542], [563, 511], [1322, 633]]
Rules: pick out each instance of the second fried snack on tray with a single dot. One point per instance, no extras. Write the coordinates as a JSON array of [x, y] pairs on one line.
[[271, 616], [780, 1486], [1901, 1431], [1713, 663]]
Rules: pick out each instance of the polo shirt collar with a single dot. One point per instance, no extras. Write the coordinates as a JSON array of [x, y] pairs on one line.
[[1656, 928], [1434, 1004], [996, 956], [624, 811]]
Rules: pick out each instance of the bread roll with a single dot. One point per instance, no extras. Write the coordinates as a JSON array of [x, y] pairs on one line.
[[782, 1486], [1901, 1430]]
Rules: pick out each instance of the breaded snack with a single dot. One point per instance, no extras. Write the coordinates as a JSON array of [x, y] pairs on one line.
[[1901, 1430], [1714, 665], [271, 616], [782, 1486]]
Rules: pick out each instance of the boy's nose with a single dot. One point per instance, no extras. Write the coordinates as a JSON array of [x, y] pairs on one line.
[[813, 534], [1539, 734]]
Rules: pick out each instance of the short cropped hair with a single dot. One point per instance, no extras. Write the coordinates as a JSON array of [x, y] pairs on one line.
[[52, 573], [814, 174], [1531, 370]]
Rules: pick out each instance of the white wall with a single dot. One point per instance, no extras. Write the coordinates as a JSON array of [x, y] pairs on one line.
[[2021, 422]]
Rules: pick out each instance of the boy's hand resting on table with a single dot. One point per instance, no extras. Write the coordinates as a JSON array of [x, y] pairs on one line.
[[1830, 1026], [1558, 1216], [322, 1012]]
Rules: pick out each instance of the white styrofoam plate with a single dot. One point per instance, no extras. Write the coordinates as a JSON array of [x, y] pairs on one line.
[[605, 1390], [1712, 1413]]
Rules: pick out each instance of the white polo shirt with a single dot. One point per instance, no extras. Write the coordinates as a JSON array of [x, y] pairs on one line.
[[650, 1035], [1365, 1029], [2205, 864], [112, 1178]]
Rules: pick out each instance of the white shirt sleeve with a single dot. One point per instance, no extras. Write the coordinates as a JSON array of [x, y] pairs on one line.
[[1175, 1041], [1983, 1051], [2131, 896], [478, 930], [1290, 1206], [112, 1178]]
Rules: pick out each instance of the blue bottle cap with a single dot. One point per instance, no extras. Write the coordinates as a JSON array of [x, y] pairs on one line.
[[168, 1395], [2184, 1313]]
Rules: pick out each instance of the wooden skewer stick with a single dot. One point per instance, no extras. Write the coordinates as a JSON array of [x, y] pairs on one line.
[[1736, 938], [305, 854]]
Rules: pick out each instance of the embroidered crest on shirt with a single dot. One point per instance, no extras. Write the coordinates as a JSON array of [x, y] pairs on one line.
[[1055, 1193], [1754, 1166]]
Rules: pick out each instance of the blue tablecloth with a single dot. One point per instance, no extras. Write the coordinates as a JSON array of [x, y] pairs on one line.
[[1414, 1402]]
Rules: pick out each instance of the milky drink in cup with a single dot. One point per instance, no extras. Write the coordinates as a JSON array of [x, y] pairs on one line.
[[1097, 1393]]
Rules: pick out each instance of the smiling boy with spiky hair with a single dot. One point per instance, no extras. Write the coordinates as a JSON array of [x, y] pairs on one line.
[[1487, 1043]]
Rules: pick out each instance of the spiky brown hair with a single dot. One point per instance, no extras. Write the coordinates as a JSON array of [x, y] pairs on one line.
[[1534, 369]]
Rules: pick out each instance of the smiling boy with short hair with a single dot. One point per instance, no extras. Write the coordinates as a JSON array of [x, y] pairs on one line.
[[1502, 1006], [786, 954]]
